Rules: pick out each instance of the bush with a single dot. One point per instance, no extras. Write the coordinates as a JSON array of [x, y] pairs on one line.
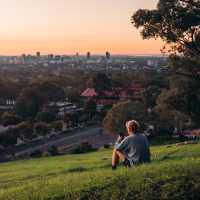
[[57, 125], [10, 119], [46, 117], [36, 154], [53, 151], [46, 154], [165, 129], [106, 146], [2, 149], [42, 129], [83, 148], [25, 130]]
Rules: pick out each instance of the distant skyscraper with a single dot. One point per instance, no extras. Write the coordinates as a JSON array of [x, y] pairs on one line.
[[108, 55], [50, 56], [23, 58], [88, 55], [150, 62], [38, 56]]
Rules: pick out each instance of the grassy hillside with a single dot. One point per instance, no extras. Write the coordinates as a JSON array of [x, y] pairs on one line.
[[173, 174]]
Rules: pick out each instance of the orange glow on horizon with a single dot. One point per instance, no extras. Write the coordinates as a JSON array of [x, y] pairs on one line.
[[67, 27], [95, 47]]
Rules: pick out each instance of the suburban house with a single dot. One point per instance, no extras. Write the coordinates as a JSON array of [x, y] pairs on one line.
[[62, 108], [113, 96], [7, 105]]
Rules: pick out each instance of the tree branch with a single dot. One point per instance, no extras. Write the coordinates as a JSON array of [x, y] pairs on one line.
[[191, 2]]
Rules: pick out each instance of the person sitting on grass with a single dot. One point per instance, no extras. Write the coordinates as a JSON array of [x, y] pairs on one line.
[[132, 149]]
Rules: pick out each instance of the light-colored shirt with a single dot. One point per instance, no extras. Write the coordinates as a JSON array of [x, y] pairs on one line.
[[135, 148]]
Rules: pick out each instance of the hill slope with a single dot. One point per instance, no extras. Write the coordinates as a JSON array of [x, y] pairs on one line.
[[173, 174]]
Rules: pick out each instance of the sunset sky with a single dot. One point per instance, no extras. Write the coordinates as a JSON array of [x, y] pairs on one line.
[[70, 26]]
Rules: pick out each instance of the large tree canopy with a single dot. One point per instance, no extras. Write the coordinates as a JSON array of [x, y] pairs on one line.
[[177, 23], [34, 96], [115, 120], [28, 103], [101, 83]]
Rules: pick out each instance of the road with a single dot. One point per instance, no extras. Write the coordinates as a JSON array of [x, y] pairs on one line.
[[65, 140]]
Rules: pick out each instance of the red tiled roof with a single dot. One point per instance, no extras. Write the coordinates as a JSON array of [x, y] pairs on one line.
[[89, 92], [116, 92]]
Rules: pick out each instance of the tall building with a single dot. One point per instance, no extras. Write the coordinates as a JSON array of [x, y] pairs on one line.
[[38, 54], [108, 55], [50, 57], [23, 58], [88, 55]]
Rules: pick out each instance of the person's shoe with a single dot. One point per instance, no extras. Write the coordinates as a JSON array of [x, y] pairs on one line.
[[114, 167], [126, 163]]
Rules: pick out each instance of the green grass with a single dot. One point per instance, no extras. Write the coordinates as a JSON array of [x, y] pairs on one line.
[[173, 174]]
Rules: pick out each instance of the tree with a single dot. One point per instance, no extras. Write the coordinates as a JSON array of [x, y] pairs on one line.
[[46, 116], [150, 94], [71, 119], [9, 89], [169, 115], [10, 119], [8, 140], [42, 129], [177, 23], [2, 151], [57, 125], [101, 83], [73, 95], [29, 103], [33, 97], [115, 120], [90, 108], [25, 131], [50, 91]]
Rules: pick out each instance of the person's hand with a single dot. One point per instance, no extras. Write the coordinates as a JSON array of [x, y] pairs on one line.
[[120, 138]]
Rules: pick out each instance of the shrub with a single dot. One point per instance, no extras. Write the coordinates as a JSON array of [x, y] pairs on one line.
[[83, 148], [10, 119], [57, 125], [42, 129], [36, 154], [46, 154], [46, 117], [106, 146], [53, 151]]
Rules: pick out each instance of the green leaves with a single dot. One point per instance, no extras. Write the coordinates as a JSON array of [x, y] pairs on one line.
[[174, 22], [116, 118]]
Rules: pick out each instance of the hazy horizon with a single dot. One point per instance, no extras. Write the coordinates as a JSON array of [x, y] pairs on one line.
[[67, 27]]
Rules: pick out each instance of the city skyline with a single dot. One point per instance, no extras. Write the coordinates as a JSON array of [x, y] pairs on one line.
[[67, 27]]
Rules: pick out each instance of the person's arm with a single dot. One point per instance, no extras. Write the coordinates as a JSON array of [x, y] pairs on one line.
[[119, 140], [122, 146]]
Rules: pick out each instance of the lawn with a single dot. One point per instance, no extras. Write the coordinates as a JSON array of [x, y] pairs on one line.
[[174, 173]]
